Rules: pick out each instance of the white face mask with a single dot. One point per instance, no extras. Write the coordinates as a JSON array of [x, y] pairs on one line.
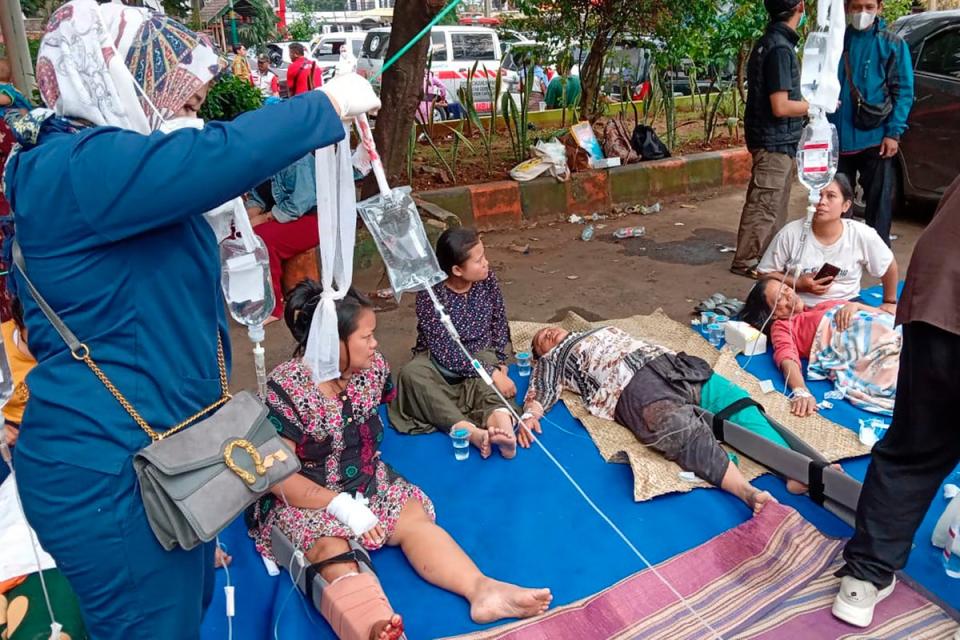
[[862, 20]]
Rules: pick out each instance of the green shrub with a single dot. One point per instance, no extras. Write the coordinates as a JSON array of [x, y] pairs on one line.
[[229, 97]]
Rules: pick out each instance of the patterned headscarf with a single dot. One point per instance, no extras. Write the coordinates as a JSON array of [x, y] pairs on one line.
[[121, 66]]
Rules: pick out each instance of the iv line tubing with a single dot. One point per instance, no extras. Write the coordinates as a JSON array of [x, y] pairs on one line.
[[456, 338]]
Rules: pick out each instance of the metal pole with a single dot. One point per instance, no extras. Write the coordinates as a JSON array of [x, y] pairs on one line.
[[15, 38], [233, 25], [486, 8]]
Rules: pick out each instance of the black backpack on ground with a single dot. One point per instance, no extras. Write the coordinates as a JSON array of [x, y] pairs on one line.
[[648, 144]]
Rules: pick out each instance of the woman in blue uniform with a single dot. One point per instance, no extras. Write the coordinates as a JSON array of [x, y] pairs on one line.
[[108, 214]]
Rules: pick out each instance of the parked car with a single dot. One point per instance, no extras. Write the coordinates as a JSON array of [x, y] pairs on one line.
[[326, 49], [928, 161], [453, 53]]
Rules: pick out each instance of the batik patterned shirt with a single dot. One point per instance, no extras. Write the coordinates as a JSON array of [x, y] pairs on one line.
[[480, 319], [595, 364]]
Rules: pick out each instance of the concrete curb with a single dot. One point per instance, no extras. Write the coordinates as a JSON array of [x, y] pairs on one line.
[[505, 204]]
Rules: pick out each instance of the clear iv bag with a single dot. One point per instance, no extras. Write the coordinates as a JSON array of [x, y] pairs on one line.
[[398, 231], [245, 279], [819, 82], [819, 153]]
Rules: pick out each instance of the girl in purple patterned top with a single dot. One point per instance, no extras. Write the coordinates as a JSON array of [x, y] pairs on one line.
[[439, 389], [345, 491]]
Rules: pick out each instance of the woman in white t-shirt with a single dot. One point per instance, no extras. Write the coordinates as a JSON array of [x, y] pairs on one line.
[[845, 246]]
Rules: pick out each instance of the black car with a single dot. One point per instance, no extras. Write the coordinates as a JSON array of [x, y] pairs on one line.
[[929, 162]]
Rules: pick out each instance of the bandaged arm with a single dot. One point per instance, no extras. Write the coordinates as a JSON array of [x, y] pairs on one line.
[[302, 492]]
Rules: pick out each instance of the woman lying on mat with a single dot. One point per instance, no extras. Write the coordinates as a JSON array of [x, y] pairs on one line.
[[835, 255], [336, 431], [654, 392], [854, 345], [439, 389]]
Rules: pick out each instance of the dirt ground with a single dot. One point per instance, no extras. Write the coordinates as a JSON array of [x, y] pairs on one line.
[[677, 263]]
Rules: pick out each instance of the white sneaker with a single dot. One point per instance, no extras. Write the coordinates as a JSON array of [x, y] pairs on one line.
[[856, 600]]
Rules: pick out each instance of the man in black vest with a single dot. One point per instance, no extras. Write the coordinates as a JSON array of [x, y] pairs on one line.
[[773, 122]]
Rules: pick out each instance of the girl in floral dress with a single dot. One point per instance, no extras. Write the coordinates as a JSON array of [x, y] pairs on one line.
[[345, 492]]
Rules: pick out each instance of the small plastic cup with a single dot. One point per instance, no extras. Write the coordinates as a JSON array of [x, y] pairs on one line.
[[542, 106], [523, 363], [715, 334], [720, 318], [461, 443], [706, 318]]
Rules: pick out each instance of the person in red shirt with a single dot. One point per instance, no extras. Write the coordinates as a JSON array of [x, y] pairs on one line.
[[792, 327], [302, 74]]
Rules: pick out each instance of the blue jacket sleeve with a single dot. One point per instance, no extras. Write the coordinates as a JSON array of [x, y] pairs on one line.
[[161, 179], [900, 86]]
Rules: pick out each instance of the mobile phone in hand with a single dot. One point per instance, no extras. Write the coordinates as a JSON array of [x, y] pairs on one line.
[[827, 271]]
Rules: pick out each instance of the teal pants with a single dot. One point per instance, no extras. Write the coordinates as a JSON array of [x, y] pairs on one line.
[[718, 393]]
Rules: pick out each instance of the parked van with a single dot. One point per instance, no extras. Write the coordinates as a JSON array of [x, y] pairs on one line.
[[326, 49], [453, 53]]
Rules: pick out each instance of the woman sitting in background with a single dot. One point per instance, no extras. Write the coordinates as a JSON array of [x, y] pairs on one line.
[[335, 430], [840, 246], [854, 345]]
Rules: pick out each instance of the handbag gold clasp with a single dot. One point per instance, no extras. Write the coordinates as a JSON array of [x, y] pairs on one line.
[[258, 465]]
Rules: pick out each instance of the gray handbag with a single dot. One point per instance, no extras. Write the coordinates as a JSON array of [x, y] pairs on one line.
[[194, 482]]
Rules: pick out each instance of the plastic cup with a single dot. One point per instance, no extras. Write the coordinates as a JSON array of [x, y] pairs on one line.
[[523, 363], [461, 443], [542, 105], [720, 318], [715, 334], [706, 319]]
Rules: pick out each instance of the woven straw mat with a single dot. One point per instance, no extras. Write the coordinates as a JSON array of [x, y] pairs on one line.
[[654, 475]]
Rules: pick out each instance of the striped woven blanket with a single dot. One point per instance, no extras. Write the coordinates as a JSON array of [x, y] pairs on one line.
[[771, 577]]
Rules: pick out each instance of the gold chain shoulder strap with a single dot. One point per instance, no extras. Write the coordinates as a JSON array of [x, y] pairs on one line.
[[83, 354]]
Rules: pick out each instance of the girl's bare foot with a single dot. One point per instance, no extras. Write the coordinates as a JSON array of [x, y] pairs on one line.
[[390, 629], [480, 438], [505, 440], [494, 600], [270, 320]]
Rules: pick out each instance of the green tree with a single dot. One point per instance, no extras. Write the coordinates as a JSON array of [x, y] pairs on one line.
[[305, 26], [594, 26], [261, 28]]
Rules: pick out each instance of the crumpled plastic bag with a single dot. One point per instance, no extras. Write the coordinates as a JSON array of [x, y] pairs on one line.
[[547, 157]]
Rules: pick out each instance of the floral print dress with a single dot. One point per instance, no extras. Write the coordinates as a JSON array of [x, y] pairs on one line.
[[338, 443]]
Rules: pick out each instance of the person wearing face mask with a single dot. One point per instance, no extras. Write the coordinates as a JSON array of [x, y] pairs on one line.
[[109, 218], [876, 94], [773, 122]]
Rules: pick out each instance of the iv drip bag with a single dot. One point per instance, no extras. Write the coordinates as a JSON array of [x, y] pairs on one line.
[[398, 232]]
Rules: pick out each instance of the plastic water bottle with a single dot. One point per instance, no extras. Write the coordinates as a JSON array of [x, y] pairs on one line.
[[629, 232], [245, 279], [951, 551], [818, 154]]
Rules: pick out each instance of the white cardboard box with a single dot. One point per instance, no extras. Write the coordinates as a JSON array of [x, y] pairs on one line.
[[743, 338]]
